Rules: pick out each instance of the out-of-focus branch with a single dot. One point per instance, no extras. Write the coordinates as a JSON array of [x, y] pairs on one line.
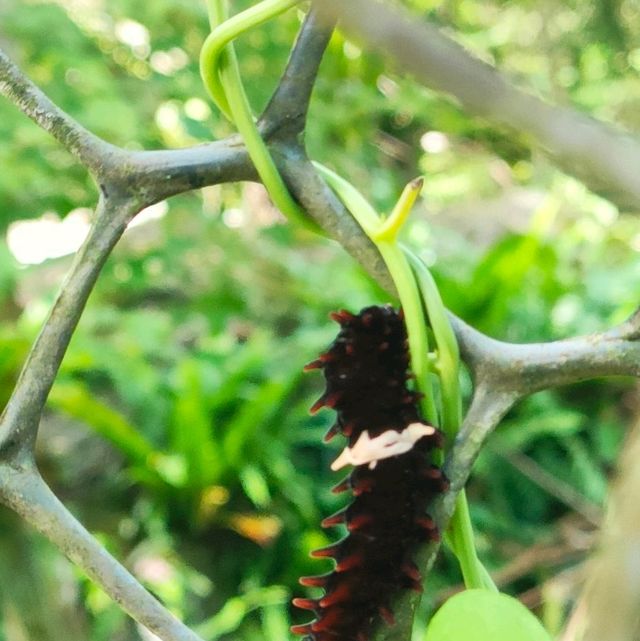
[[556, 487], [286, 112], [611, 602], [23, 490], [604, 158]]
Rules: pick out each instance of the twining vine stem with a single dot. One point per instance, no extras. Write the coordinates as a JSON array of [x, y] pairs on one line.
[[129, 181]]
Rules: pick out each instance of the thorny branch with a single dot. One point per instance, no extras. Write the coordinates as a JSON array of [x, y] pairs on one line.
[[286, 112], [88, 148], [130, 181], [21, 416], [24, 491]]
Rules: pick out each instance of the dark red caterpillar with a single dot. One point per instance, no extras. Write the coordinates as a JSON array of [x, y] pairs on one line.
[[366, 370]]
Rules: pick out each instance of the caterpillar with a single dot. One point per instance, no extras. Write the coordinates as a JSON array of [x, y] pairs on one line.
[[366, 370]]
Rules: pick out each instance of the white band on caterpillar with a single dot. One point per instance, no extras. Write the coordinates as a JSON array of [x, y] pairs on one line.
[[390, 443]]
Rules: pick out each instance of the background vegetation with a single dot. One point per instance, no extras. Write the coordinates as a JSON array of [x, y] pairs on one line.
[[178, 429]]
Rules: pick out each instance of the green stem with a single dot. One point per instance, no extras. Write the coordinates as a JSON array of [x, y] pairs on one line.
[[415, 322], [223, 32], [353, 200], [460, 528], [448, 354], [223, 81], [401, 275], [474, 573]]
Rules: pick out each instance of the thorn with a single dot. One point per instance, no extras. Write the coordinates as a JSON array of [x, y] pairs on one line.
[[367, 319], [331, 551], [411, 398], [347, 429], [411, 570], [387, 615], [335, 519], [305, 604], [328, 620], [327, 357], [319, 404], [333, 399], [358, 522], [426, 522], [342, 316], [383, 347], [317, 364], [362, 636], [326, 400], [434, 473], [349, 349], [314, 581], [438, 440], [349, 562], [343, 486], [416, 586], [333, 430], [301, 629], [341, 593], [363, 485]]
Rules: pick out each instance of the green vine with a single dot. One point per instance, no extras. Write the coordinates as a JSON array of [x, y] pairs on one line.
[[447, 364], [416, 289], [221, 76]]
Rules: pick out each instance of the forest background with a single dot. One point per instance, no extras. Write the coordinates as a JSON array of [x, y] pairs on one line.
[[178, 430]]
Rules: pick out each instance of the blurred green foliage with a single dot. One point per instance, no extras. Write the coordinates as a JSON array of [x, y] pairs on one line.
[[178, 428]]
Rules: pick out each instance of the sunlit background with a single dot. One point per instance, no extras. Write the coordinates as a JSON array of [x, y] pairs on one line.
[[178, 429]]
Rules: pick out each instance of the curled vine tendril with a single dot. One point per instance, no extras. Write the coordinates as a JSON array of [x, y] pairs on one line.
[[221, 76]]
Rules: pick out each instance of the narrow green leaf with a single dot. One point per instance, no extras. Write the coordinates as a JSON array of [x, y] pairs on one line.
[[78, 402], [191, 429]]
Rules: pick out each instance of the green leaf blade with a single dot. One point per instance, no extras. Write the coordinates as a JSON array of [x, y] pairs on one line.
[[481, 615]]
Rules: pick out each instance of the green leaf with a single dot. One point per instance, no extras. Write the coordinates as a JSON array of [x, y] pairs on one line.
[[255, 486], [480, 615], [191, 429], [231, 615], [77, 401]]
